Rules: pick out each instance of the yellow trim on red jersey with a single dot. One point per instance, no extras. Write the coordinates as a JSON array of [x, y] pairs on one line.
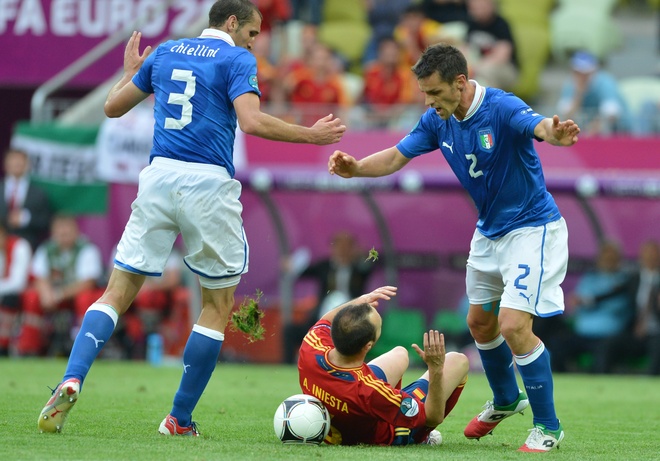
[[315, 342], [380, 387]]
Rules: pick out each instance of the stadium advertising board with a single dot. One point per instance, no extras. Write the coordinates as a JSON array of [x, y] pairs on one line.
[[39, 38]]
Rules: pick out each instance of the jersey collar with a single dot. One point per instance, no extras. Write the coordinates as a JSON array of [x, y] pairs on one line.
[[479, 93], [215, 33]]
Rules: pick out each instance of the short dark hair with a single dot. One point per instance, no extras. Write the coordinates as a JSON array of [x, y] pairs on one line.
[[222, 9], [352, 330], [446, 60]]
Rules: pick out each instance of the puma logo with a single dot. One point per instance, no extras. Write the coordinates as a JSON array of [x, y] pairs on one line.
[[96, 341], [526, 297], [448, 146]]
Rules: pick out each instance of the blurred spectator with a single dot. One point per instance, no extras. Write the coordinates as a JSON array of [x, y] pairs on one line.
[[444, 11], [151, 307], [643, 339], [308, 11], [316, 88], [601, 310], [155, 309], [274, 12], [648, 120], [389, 87], [415, 32], [592, 98], [64, 267], [383, 16], [299, 43], [15, 257], [492, 50], [23, 205], [271, 42], [307, 41], [267, 73], [340, 276]]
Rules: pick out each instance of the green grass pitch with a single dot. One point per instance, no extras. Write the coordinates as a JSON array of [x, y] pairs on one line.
[[122, 404]]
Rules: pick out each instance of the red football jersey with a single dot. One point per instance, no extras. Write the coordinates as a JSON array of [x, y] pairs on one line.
[[364, 408]]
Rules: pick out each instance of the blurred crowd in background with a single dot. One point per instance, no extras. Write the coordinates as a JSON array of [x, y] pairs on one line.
[[354, 58]]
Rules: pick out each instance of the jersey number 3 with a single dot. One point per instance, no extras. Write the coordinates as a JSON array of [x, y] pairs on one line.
[[182, 99]]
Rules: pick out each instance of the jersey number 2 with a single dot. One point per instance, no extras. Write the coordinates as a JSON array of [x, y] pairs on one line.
[[182, 99], [473, 166]]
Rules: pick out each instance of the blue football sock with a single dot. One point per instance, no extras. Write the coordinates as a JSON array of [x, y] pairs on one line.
[[536, 374], [497, 360], [199, 358], [97, 326]]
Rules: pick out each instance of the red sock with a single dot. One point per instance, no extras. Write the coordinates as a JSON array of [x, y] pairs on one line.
[[453, 398]]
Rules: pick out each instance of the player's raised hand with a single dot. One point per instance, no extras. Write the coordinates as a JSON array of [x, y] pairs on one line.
[[565, 133], [132, 57], [342, 164], [434, 349], [372, 298], [328, 130]]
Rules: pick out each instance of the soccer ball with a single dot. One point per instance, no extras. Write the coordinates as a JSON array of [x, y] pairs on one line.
[[301, 419]]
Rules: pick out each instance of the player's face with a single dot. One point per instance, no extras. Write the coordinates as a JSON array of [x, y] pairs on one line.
[[247, 33], [442, 96]]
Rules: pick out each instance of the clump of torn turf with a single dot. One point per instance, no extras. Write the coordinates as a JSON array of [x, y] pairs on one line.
[[373, 255], [247, 318]]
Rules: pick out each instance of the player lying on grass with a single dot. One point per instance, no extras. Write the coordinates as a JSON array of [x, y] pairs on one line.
[[365, 400]]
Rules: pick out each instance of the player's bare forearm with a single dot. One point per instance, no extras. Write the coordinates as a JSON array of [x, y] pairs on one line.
[[112, 94], [435, 403], [433, 355], [124, 95], [272, 128], [556, 132], [375, 165], [122, 98], [327, 130], [379, 294]]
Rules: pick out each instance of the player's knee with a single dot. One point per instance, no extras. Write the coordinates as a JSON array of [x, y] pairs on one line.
[[459, 362], [400, 354], [482, 327], [515, 324]]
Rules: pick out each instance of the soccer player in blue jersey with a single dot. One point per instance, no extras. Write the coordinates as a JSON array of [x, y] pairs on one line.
[[202, 87], [519, 251]]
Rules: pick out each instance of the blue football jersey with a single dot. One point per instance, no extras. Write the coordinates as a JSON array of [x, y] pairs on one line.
[[194, 82], [492, 154]]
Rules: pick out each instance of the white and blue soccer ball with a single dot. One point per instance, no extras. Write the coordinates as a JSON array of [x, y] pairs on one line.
[[301, 419]]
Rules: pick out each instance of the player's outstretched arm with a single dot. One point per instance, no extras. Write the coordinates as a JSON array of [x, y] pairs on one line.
[[327, 130], [556, 132], [124, 95], [382, 293], [434, 357], [379, 164]]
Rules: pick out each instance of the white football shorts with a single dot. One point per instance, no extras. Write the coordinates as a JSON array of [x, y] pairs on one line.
[[524, 268], [199, 201]]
